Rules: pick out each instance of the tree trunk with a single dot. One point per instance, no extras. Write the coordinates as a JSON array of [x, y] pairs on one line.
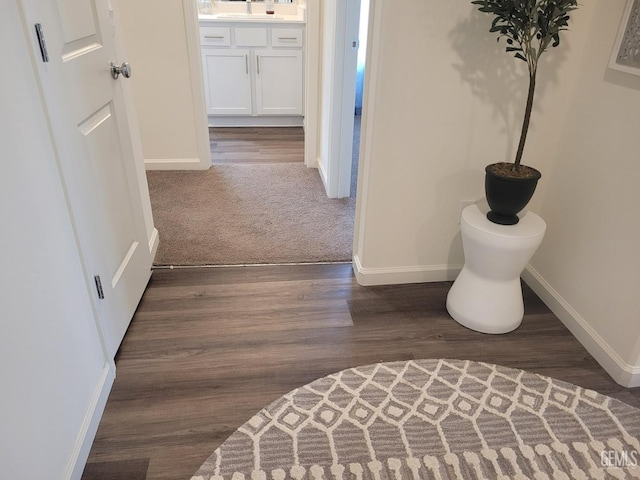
[[527, 118]]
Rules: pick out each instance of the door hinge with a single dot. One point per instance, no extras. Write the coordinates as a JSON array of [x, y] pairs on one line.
[[42, 42], [99, 287]]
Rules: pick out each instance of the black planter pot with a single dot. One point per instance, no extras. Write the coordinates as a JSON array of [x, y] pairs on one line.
[[508, 195]]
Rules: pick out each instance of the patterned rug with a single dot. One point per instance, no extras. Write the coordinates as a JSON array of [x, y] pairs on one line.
[[430, 419]]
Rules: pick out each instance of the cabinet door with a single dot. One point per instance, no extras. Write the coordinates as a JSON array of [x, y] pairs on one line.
[[227, 81], [278, 82]]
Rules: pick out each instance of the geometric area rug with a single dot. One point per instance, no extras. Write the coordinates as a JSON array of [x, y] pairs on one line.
[[430, 419]]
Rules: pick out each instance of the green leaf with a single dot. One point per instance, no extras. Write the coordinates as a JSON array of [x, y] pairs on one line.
[[530, 26]]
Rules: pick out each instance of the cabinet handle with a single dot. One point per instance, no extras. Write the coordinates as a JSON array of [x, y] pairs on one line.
[[287, 38], [258, 63], [215, 37], [246, 63]]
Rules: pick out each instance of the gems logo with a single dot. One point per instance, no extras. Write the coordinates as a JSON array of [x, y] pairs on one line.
[[619, 459]]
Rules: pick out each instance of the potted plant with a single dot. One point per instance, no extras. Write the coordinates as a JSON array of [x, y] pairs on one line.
[[530, 28]]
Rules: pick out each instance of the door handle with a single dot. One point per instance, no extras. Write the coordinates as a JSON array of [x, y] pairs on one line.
[[258, 63], [124, 69]]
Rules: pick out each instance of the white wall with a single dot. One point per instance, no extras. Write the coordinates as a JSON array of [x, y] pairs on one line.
[[442, 101], [54, 376], [589, 261], [169, 101]]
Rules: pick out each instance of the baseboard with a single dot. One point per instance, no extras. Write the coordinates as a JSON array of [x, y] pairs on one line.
[[90, 424], [175, 164], [255, 121], [397, 275], [623, 373]]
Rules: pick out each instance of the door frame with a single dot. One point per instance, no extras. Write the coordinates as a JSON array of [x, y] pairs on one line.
[[344, 57], [329, 127], [313, 50], [192, 31], [310, 90], [312, 85]]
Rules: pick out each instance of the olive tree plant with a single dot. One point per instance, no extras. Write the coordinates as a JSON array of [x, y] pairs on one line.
[[530, 28]]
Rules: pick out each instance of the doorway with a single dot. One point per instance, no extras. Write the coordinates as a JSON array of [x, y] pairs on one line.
[[363, 31], [230, 188]]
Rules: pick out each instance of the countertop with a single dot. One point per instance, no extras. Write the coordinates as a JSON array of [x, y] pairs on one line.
[[232, 13]]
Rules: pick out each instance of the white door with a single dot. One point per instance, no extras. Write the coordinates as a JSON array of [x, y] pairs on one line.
[[227, 80], [89, 126], [279, 82], [340, 46]]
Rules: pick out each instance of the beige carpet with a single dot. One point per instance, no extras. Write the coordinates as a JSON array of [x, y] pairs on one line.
[[433, 419], [246, 214]]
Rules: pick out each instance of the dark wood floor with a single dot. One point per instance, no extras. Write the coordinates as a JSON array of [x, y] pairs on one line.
[[247, 145], [209, 347]]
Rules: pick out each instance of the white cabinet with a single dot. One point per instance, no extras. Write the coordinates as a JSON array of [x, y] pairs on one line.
[[228, 82], [253, 74], [278, 84]]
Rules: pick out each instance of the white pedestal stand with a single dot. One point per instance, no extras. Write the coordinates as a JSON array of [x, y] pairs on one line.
[[487, 295]]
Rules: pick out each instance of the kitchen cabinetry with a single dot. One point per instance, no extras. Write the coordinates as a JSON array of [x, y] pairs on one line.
[[253, 74]]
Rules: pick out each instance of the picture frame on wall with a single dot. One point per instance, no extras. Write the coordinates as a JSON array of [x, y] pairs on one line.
[[625, 55]]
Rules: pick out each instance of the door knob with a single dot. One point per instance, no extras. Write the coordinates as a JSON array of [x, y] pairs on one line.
[[124, 69]]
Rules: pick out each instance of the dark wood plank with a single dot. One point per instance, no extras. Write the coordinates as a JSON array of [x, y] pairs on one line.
[[118, 470], [209, 347]]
